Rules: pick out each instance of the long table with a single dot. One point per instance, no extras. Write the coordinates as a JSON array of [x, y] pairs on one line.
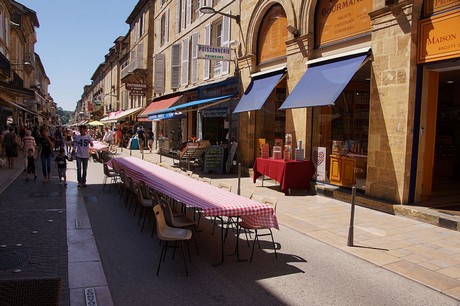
[[212, 200], [291, 174]]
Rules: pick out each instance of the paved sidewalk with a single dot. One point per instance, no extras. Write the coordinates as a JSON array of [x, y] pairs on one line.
[[422, 252]]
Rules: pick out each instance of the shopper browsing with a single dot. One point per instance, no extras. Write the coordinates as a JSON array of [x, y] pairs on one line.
[[61, 163]]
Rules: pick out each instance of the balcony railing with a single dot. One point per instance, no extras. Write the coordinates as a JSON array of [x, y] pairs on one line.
[[133, 65]]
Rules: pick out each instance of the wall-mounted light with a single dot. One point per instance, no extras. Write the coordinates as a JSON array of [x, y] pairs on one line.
[[210, 10], [293, 30]]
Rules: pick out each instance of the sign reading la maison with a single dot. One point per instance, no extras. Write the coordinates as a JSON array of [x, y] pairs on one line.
[[213, 53]]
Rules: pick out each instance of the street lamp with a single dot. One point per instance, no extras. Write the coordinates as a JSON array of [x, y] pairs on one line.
[[210, 10]]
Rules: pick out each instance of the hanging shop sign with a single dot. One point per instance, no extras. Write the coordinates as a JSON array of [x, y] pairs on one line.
[[213, 53], [436, 6], [136, 93], [136, 87], [339, 20], [439, 37]]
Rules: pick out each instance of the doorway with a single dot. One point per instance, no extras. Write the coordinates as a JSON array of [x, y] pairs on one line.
[[443, 193]]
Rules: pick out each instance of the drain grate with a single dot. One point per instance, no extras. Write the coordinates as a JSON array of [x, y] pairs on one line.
[[13, 259]]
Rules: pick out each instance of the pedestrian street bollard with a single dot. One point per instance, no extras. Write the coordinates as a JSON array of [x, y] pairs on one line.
[[160, 156], [239, 179], [142, 154], [352, 217]]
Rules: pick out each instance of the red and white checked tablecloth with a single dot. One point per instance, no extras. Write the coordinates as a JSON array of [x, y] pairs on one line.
[[212, 200]]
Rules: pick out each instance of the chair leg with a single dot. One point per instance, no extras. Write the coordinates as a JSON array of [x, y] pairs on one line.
[[104, 182], [183, 254], [273, 241], [163, 250], [253, 245]]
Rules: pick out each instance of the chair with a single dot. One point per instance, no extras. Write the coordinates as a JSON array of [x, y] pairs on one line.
[[246, 225], [129, 191], [166, 234], [144, 201], [195, 176], [206, 180], [178, 221], [109, 173]]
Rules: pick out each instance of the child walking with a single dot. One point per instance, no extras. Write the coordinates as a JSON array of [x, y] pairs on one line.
[[30, 164], [61, 162]]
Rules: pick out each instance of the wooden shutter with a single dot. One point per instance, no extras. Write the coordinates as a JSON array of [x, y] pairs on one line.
[[194, 66], [183, 14], [189, 12], [175, 65], [185, 60], [178, 16], [159, 34], [225, 41], [166, 26], [207, 42], [159, 80]]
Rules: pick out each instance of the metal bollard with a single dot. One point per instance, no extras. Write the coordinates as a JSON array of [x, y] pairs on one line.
[[352, 217], [239, 179]]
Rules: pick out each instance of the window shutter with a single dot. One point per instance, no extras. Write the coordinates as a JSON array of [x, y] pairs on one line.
[[139, 57], [225, 41], [185, 60], [194, 68], [189, 12], [159, 34], [159, 81], [166, 26], [175, 66], [207, 42], [183, 14], [201, 4], [178, 16]]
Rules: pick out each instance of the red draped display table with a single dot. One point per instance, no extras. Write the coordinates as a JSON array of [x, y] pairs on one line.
[[291, 174]]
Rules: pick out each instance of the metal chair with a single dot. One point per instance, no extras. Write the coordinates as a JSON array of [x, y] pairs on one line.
[[109, 173], [248, 226], [144, 201], [166, 234]]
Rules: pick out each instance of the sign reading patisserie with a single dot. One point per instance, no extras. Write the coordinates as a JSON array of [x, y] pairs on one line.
[[435, 6], [439, 37], [338, 20]]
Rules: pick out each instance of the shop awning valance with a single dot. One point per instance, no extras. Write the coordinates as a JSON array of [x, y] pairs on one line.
[[157, 106], [322, 84], [258, 92], [120, 115], [175, 109]]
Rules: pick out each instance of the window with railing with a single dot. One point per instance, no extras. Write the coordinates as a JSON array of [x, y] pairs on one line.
[[135, 61]]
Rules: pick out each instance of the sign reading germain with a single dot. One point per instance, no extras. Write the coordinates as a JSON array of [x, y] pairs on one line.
[[213, 53]]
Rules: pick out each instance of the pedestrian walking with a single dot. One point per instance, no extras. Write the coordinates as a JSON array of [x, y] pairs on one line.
[[28, 143], [108, 136], [68, 141], [46, 153], [61, 163], [150, 140], [10, 146], [31, 165], [81, 145], [141, 138]]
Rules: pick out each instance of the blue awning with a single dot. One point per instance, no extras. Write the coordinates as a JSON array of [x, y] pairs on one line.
[[321, 85], [174, 109], [257, 92]]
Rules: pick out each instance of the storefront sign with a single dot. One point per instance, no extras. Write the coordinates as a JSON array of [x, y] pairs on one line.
[[136, 87], [338, 20], [137, 93], [169, 115], [215, 112], [439, 38], [436, 6], [214, 53], [319, 158]]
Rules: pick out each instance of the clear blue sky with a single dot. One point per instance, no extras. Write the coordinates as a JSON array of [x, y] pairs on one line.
[[73, 37]]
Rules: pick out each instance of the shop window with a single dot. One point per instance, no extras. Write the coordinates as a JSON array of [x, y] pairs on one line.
[[343, 137], [272, 35]]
